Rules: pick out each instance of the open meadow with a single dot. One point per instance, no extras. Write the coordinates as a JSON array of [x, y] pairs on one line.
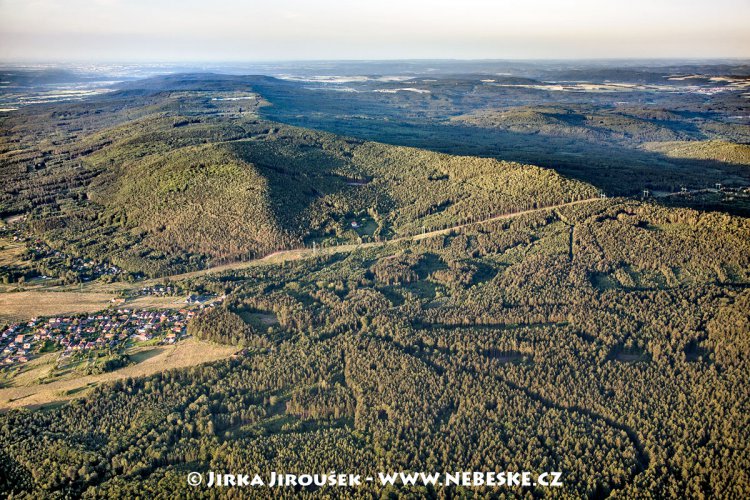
[[33, 385]]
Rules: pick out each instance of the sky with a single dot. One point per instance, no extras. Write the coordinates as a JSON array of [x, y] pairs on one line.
[[272, 30]]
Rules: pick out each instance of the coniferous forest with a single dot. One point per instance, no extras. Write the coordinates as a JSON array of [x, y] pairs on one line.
[[396, 298]]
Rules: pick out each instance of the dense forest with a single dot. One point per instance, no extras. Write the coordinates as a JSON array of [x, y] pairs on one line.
[[607, 339], [169, 191], [620, 129]]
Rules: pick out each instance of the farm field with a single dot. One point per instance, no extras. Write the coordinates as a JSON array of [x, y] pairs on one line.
[[20, 306], [25, 390]]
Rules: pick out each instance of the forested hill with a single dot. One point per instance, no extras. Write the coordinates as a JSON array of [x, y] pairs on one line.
[[606, 339], [193, 177]]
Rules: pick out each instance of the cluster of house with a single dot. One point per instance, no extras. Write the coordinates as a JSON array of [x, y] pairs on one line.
[[203, 300], [87, 269], [20, 341], [160, 290], [193, 299], [54, 260]]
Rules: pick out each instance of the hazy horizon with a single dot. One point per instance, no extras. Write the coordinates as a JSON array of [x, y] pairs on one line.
[[635, 61], [231, 31]]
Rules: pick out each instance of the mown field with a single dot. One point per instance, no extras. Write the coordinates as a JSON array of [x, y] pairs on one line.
[[40, 385], [20, 306]]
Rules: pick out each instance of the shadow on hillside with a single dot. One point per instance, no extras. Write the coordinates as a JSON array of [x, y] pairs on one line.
[[296, 182], [613, 166], [615, 169]]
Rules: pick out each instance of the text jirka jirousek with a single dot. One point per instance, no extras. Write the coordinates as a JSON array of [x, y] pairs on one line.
[[465, 478]]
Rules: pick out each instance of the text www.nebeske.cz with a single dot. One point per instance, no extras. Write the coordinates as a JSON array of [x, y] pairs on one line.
[[468, 479]]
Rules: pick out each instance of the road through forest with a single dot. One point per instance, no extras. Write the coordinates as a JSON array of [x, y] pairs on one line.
[[95, 296]]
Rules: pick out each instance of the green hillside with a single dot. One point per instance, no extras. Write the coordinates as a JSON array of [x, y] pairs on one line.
[[195, 199], [599, 125], [723, 151], [165, 194]]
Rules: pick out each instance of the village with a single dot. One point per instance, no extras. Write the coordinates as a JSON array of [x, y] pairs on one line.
[[38, 262], [108, 330], [53, 261]]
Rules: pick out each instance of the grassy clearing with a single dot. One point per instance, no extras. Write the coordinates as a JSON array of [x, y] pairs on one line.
[[24, 305], [10, 251], [19, 306], [25, 389], [258, 319]]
